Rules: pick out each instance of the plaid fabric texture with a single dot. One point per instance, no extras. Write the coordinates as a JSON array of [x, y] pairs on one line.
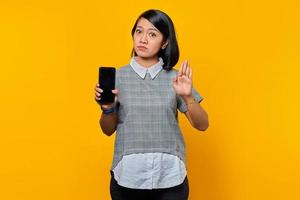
[[147, 114]]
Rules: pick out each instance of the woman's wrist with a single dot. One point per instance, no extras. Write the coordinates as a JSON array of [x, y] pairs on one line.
[[189, 99], [108, 110]]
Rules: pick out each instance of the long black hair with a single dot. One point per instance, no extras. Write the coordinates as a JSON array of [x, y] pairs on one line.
[[164, 24]]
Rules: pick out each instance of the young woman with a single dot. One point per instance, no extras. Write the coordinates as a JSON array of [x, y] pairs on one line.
[[149, 153]]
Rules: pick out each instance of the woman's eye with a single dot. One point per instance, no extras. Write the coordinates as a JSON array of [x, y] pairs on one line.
[[152, 34], [137, 31]]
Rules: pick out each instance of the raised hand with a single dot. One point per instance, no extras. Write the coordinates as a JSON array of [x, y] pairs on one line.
[[182, 82]]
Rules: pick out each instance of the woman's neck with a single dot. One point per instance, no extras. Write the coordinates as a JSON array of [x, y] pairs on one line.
[[146, 62]]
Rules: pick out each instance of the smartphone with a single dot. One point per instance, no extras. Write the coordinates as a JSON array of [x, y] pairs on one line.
[[107, 78]]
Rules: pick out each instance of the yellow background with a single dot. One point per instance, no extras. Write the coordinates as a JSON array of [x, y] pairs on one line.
[[245, 59]]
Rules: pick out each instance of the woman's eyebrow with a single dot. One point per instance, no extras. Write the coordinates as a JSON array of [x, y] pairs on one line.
[[148, 29]]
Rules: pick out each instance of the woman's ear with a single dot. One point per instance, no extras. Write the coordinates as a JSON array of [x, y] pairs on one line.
[[164, 45]]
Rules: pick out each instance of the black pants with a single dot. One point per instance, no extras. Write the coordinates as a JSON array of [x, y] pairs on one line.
[[179, 192]]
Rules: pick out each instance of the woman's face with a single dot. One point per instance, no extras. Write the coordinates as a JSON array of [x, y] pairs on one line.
[[147, 39]]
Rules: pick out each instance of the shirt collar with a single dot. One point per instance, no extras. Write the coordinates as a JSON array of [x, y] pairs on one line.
[[141, 70]]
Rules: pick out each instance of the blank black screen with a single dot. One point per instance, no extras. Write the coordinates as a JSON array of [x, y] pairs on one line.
[[107, 83]]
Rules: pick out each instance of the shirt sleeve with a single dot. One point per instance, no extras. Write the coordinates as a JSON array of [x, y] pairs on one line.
[[181, 104]]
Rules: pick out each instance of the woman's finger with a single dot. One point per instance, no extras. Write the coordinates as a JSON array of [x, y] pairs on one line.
[[184, 68], [180, 70], [190, 74], [98, 94], [97, 98], [98, 90], [188, 70]]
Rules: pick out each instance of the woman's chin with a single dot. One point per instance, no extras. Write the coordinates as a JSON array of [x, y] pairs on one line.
[[143, 55]]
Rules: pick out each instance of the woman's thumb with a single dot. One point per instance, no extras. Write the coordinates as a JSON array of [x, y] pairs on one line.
[[174, 79], [115, 91]]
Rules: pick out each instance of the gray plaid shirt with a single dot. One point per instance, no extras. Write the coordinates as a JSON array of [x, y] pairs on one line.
[[147, 114]]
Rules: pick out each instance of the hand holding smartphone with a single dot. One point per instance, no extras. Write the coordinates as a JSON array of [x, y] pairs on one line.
[[106, 81]]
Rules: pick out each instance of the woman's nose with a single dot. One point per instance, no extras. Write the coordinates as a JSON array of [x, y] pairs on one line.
[[143, 38]]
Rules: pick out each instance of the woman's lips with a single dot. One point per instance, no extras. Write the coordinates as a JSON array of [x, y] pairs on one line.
[[142, 48]]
